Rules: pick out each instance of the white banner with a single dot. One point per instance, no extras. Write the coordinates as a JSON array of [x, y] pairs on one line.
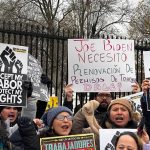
[[100, 65], [146, 56]]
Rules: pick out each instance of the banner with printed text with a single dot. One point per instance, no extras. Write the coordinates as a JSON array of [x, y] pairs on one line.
[[70, 142], [108, 137], [100, 65], [13, 71]]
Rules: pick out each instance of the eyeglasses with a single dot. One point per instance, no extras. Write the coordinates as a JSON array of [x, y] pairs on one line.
[[62, 118]]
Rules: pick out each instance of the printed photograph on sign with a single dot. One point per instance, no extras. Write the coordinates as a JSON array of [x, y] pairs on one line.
[[13, 71], [108, 137], [71, 142], [101, 65], [34, 75]]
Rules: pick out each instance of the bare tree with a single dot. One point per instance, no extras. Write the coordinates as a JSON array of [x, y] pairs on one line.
[[95, 17], [48, 13], [140, 21]]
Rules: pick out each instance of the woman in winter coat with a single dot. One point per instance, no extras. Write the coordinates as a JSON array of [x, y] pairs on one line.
[[120, 114], [58, 122]]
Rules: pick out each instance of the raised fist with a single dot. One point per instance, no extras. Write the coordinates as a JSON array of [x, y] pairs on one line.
[[8, 57], [19, 66]]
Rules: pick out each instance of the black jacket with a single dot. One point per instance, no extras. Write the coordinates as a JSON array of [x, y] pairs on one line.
[[146, 114], [25, 137]]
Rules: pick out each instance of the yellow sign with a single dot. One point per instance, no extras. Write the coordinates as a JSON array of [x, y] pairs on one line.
[[53, 102]]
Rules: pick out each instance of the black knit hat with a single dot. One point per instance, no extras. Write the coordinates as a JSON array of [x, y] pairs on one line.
[[49, 116]]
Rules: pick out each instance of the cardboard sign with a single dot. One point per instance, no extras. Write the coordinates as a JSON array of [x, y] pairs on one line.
[[13, 71], [101, 65], [71, 142], [108, 137], [53, 102]]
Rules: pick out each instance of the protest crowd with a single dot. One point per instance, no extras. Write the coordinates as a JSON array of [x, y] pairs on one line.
[[23, 128]]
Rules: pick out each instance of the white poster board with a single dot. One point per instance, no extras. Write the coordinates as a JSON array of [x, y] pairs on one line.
[[146, 57], [13, 71], [101, 65], [108, 137]]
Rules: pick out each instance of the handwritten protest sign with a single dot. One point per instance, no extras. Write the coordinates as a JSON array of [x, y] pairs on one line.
[[13, 71], [108, 137], [71, 142], [34, 75], [101, 65]]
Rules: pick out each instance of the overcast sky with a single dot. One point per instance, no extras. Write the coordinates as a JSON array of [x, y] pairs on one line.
[[134, 2]]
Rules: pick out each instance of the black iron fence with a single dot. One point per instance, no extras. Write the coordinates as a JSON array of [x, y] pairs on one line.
[[50, 48]]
